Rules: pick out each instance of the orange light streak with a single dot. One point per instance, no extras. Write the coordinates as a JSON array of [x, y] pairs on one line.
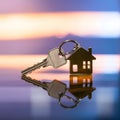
[[38, 25], [102, 64]]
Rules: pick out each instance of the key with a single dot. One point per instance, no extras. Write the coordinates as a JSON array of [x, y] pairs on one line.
[[55, 88], [53, 59]]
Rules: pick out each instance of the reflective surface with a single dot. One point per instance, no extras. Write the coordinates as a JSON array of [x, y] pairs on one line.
[[22, 100]]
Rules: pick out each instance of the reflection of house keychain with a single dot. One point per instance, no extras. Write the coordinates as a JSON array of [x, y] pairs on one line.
[[82, 87], [56, 58]]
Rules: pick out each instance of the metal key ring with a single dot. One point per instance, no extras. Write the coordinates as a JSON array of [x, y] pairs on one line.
[[76, 101], [66, 41]]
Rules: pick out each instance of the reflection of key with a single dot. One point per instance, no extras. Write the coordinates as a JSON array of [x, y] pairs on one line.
[[53, 59], [54, 88]]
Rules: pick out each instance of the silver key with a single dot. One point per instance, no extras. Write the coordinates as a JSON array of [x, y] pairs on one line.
[[53, 59]]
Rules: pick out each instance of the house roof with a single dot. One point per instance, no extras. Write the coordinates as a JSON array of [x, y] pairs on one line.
[[82, 92], [82, 54]]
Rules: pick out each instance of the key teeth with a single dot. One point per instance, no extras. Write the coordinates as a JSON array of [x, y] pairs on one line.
[[24, 77], [34, 67]]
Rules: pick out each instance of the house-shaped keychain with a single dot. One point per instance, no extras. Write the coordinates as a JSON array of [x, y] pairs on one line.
[[81, 61]]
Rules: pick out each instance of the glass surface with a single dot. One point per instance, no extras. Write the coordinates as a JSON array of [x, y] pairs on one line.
[[22, 100]]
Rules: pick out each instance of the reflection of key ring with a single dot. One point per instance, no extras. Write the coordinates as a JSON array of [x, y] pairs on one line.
[[66, 41], [75, 101]]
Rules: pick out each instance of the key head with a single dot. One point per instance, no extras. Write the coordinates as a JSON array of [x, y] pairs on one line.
[[56, 88], [54, 59]]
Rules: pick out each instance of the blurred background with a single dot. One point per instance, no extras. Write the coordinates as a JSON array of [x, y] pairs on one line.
[[30, 28]]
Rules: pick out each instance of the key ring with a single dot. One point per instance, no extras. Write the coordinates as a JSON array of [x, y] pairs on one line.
[[74, 49], [75, 101]]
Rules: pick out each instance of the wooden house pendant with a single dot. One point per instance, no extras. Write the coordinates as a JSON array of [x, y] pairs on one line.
[[81, 61]]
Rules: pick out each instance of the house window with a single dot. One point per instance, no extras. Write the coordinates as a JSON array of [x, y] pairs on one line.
[[84, 85], [75, 68], [84, 80], [84, 67], [88, 85], [88, 65], [88, 80], [84, 64], [88, 62], [75, 80]]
